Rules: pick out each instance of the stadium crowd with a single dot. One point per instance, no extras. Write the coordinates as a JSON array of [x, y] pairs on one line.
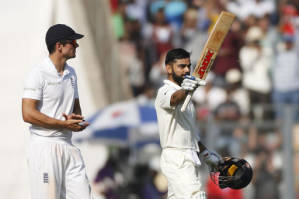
[[255, 73]]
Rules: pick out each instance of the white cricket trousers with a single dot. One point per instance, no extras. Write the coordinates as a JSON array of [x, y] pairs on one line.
[[182, 173], [56, 170]]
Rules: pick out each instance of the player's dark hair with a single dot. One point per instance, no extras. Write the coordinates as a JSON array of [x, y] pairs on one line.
[[177, 53], [51, 48]]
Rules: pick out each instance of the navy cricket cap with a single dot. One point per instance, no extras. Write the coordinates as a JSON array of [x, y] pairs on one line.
[[59, 32]]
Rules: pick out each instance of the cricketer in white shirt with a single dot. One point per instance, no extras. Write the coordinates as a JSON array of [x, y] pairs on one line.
[[56, 167], [178, 128], [51, 105], [56, 93], [178, 133]]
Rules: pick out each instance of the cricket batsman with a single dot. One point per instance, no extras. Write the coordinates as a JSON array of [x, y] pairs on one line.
[[180, 145]]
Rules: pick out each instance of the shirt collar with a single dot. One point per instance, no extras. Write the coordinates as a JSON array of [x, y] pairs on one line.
[[52, 68], [172, 84]]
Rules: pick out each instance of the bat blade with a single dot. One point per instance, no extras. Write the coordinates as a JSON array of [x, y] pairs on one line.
[[213, 44], [211, 48]]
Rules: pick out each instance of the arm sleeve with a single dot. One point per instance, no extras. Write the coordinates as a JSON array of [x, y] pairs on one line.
[[164, 97], [33, 86]]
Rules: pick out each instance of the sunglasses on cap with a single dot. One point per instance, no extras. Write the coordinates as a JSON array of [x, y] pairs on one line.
[[72, 42]]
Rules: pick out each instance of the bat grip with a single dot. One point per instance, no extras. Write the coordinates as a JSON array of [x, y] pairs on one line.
[[186, 102]]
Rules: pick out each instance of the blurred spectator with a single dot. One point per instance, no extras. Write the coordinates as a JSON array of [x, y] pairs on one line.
[[156, 5], [212, 10], [155, 186], [113, 5], [287, 19], [131, 62], [106, 181], [147, 182], [228, 54], [158, 72], [266, 176], [208, 97], [118, 18], [136, 9], [264, 156], [248, 22], [174, 12], [147, 95], [162, 33], [203, 21], [112, 179], [189, 27], [133, 33], [157, 36], [136, 76], [255, 62], [285, 77], [270, 34], [229, 110], [140, 177], [245, 8], [238, 94], [227, 115]]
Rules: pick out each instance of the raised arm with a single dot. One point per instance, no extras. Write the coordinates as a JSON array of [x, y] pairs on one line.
[[178, 97], [189, 84]]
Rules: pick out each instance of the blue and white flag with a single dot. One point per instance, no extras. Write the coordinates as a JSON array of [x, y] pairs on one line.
[[121, 123]]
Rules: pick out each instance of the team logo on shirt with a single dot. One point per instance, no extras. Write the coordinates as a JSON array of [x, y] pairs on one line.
[[30, 89], [54, 83], [46, 177], [73, 82]]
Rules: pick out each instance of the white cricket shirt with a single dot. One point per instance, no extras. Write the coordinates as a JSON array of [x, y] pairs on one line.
[[177, 129], [55, 92]]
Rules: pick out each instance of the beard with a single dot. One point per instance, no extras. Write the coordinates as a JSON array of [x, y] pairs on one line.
[[177, 79]]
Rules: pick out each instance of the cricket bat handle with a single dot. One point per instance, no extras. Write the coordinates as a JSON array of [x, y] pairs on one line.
[[186, 102]]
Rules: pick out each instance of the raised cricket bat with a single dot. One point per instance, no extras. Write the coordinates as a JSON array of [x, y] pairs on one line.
[[211, 49]]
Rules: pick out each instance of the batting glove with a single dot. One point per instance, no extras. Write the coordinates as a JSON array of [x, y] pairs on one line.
[[189, 83], [201, 82], [212, 159]]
